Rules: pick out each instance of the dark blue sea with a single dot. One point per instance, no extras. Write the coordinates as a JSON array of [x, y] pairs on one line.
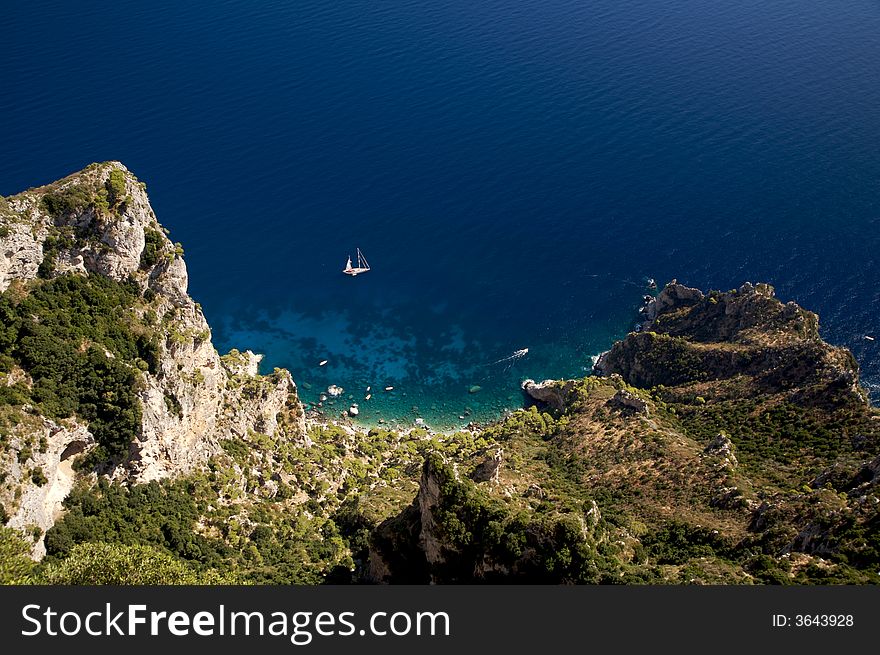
[[512, 170]]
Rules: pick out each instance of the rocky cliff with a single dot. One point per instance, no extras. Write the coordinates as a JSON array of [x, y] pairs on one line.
[[99, 222]]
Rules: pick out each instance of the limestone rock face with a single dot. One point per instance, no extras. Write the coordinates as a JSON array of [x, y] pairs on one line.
[[194, 398], [39, 463], [21, 252], [114, 244]]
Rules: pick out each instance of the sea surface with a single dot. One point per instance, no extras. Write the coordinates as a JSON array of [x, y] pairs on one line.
[[512, 170]]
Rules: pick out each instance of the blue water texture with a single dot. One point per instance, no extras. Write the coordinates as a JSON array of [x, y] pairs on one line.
[[511, 170]]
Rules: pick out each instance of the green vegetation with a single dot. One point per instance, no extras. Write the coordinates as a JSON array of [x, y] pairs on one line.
[[38, 477], [52, 245], [153, 242], [482, 529], [780, 432], [76, 337], [116, 564], [78, 197], [15, 564], [678, 543], [273, 545], [72, 200], [115, 188], [161, 516]]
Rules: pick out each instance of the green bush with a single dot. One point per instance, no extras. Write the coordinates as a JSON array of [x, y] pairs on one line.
[[60, 333], [115, 188], [159, 515], [117, 564], [153, 242], [38, 477], [72, 200], [678, 542], [15, 563]]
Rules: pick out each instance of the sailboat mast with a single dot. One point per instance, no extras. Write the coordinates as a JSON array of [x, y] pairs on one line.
[[362, 265]]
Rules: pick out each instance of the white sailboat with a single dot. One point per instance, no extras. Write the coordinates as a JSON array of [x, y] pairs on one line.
[[362, 265]]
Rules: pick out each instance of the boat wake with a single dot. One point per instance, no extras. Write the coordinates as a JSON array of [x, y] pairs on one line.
[[510, 360]]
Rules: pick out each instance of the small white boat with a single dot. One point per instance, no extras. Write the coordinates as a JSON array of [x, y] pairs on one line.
[[323, 362], [362, 265], [869, 338], [389, 388]]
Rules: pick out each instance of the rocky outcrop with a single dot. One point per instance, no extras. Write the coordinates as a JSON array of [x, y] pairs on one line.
[[428, 499], [21, 252], [554, 393], [412, 547], [722, 448], [629, 402], [672, 296], [100, 222], [440, 537]]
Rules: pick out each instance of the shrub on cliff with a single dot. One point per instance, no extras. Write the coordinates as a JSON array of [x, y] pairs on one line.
[[153, 242], [72, 200], [550, 545], [115, 188], [75, 338], [159, 515]]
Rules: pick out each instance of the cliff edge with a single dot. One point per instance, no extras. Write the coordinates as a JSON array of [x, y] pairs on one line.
[[89, 239]]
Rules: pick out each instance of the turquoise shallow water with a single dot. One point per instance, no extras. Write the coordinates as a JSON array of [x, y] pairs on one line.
[[440, 368], [512, 170]]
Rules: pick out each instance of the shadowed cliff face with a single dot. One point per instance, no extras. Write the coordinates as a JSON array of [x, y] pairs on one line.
[[689, 337], [99, 222]]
